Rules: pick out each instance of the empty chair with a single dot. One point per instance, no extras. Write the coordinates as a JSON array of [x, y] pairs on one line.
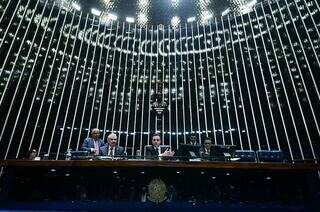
[[270, 156], [245, 155]]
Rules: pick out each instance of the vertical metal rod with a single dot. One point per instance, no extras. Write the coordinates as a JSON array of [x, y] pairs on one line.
[[130, 87], [20, 78], [5, 33], [14, 65], [143, 87], [182, 84], [124, 85], [209, 81], [230, 72], [308, 64], [72, 86], [98, 74], [111, 81], [256, 88], [176, 87], [29, 80], [162, 83], [316, 2], [296, 94], [247, 84], [202, 84], [269, 68], [265, 88], [282, 81], [216, 82], [223, 80], [239, 87], [150, 84], [5, 10], [54, 91], [81, 82], [47, 85], [8, 53], [273, 84], [157, 72], [64, 85], [38, 82], [82, 75], [195, 83], [104, 75], [189, 79], [170, 108], [136, 91], [311, 16], [90, 75], [118, 79]]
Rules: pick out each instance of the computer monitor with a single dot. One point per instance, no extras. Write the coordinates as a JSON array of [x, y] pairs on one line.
[[223, 152], [187, 151]]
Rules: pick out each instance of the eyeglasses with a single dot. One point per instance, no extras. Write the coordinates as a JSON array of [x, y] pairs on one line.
[[206, 143]]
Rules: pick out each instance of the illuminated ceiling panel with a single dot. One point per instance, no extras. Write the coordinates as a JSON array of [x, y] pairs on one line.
[[153, 12]]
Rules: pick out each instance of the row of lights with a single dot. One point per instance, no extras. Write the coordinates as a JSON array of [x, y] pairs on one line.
[[175, 21]]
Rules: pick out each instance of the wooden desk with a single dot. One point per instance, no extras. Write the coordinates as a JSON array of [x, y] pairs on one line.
[[158, 164]]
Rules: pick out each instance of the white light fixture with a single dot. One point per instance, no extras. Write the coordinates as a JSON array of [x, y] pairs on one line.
[[207, 15], [112, 16], [191, 19], [225, 12], [76, 6], [129, 19], [175, 21], [95, 12], [142, 18], [248, 7]]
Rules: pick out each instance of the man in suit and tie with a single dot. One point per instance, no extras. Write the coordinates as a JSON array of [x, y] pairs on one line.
[[193, 139], [155, 150], [206, 151], [94, 143], [111, 148]]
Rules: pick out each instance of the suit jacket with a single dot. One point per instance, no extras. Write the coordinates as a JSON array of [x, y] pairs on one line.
[[150, 151], [118, 151], [206, 156], [89, 143]]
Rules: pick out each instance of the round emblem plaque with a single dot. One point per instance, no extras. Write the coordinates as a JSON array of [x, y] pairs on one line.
[[157, 191]]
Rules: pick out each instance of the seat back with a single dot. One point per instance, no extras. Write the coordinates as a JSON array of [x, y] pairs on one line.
[[245, 155], [270, 156]]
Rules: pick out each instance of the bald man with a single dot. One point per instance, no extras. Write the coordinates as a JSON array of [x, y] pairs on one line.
[[94, 143], [111, 148]]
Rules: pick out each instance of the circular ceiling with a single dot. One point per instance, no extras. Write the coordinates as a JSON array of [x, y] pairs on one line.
[[166, 12]]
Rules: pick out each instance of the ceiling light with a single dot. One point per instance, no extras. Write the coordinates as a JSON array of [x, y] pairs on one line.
[[129, 19], [112, 16], [76, 6], [95, 12], [175, 21], [191, 19], [225, 12], [207, 15], [142, 18]]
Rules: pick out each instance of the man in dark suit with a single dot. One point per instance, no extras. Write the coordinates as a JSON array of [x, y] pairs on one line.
[[155, 150], [193, 139], [94, 143], [206, 151], [111, 148]]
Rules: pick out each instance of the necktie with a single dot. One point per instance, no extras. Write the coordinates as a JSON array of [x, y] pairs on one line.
[[110, 151], [96, 147]]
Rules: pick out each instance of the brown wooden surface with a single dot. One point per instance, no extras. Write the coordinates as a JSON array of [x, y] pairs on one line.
[[155, 164]]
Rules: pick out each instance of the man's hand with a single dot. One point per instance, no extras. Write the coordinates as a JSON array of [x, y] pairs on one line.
[[167, 153]]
